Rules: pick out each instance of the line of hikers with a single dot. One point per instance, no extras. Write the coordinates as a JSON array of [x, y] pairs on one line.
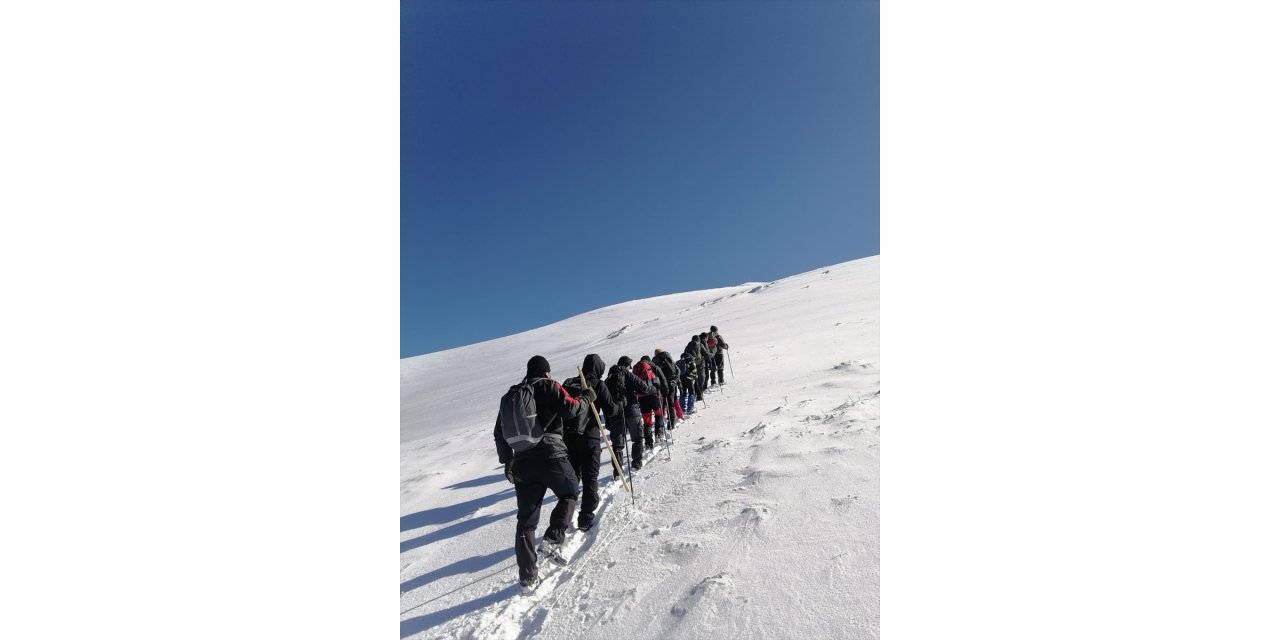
[[547, 439]]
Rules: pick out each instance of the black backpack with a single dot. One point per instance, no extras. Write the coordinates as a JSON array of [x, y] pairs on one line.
[[519, 416]]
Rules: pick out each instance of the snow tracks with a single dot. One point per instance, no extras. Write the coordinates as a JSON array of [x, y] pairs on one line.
[[764, 524]]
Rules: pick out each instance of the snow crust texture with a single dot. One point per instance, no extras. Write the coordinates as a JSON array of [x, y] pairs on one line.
[[763, 522]]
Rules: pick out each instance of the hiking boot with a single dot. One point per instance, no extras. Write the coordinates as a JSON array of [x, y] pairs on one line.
[[527, 585], [553, 551]]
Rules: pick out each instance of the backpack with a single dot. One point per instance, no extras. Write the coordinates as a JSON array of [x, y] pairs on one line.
[[683, 366], [668, 366], [711, 344], [645, 372], [519, 416], [617, 382]]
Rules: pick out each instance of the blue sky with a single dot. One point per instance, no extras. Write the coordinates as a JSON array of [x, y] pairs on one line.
[[558, 157]]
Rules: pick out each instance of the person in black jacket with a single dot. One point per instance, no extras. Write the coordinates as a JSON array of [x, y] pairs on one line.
[[703, 359], [667, 365], [718, 356], [583, 440], [626, 387], [688, 379], [543, 466]]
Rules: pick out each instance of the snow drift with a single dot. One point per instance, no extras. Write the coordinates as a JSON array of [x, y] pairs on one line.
[[763, 524]]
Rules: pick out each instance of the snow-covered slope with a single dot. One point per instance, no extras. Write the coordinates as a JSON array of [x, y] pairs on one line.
[[763, 524]]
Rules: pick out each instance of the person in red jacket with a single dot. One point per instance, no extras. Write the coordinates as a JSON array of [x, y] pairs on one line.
[[650, 403]]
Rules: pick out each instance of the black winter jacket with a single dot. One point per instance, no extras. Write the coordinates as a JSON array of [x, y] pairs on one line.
[[586, 427], [669, 370], [625, 384], [555, 406]]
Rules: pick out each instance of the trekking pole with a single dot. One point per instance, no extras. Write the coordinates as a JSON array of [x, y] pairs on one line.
[[626, 450], [666, 443], [596, 412], [730, 361]]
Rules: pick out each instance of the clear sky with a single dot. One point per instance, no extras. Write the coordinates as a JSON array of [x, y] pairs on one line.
[[559, 157]]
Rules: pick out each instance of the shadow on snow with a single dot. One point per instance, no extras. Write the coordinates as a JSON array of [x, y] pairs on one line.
[[478, 482], [474, 564], [441, 515], [422, 623]]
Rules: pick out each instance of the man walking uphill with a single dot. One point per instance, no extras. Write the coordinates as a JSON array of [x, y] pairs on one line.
[[583, 439], [529, 435], [718, 347], [625, 385]]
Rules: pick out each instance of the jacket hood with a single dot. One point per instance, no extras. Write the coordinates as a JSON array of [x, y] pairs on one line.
[[593, 366]]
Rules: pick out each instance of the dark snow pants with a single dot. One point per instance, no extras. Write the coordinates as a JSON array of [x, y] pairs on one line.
[[686, 394], [535, 477], [584, 456], [720, 366], [634, 426], [616, 424]]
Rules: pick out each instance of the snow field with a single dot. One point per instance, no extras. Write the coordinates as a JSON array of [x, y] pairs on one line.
[[764, 523]]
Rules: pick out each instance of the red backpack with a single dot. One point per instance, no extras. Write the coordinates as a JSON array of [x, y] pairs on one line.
[[643, 370]]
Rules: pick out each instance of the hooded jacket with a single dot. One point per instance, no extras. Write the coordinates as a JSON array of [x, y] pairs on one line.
[[669, 370], [625, 386], [555, 406], [586, 427]]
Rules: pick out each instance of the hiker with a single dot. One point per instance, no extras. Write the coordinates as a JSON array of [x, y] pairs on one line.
[[583, 439], [626, 388], [672, 373], [529, 434], [650, 403], [700, 356], [717, 346], [688, 378], [708, 362]]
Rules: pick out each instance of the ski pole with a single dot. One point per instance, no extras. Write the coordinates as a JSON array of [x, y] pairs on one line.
[[596, 412], [730, 361]]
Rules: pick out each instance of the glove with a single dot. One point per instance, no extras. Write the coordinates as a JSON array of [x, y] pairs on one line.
[[510, 476], [589, 394]]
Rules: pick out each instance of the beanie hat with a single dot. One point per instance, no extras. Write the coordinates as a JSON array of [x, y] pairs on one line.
[[538, 367], [624, 361], [713, 328], [693, 338], [644, 358], [702, 335]]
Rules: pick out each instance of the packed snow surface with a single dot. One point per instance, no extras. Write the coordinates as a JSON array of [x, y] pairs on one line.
[[763, 522]]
